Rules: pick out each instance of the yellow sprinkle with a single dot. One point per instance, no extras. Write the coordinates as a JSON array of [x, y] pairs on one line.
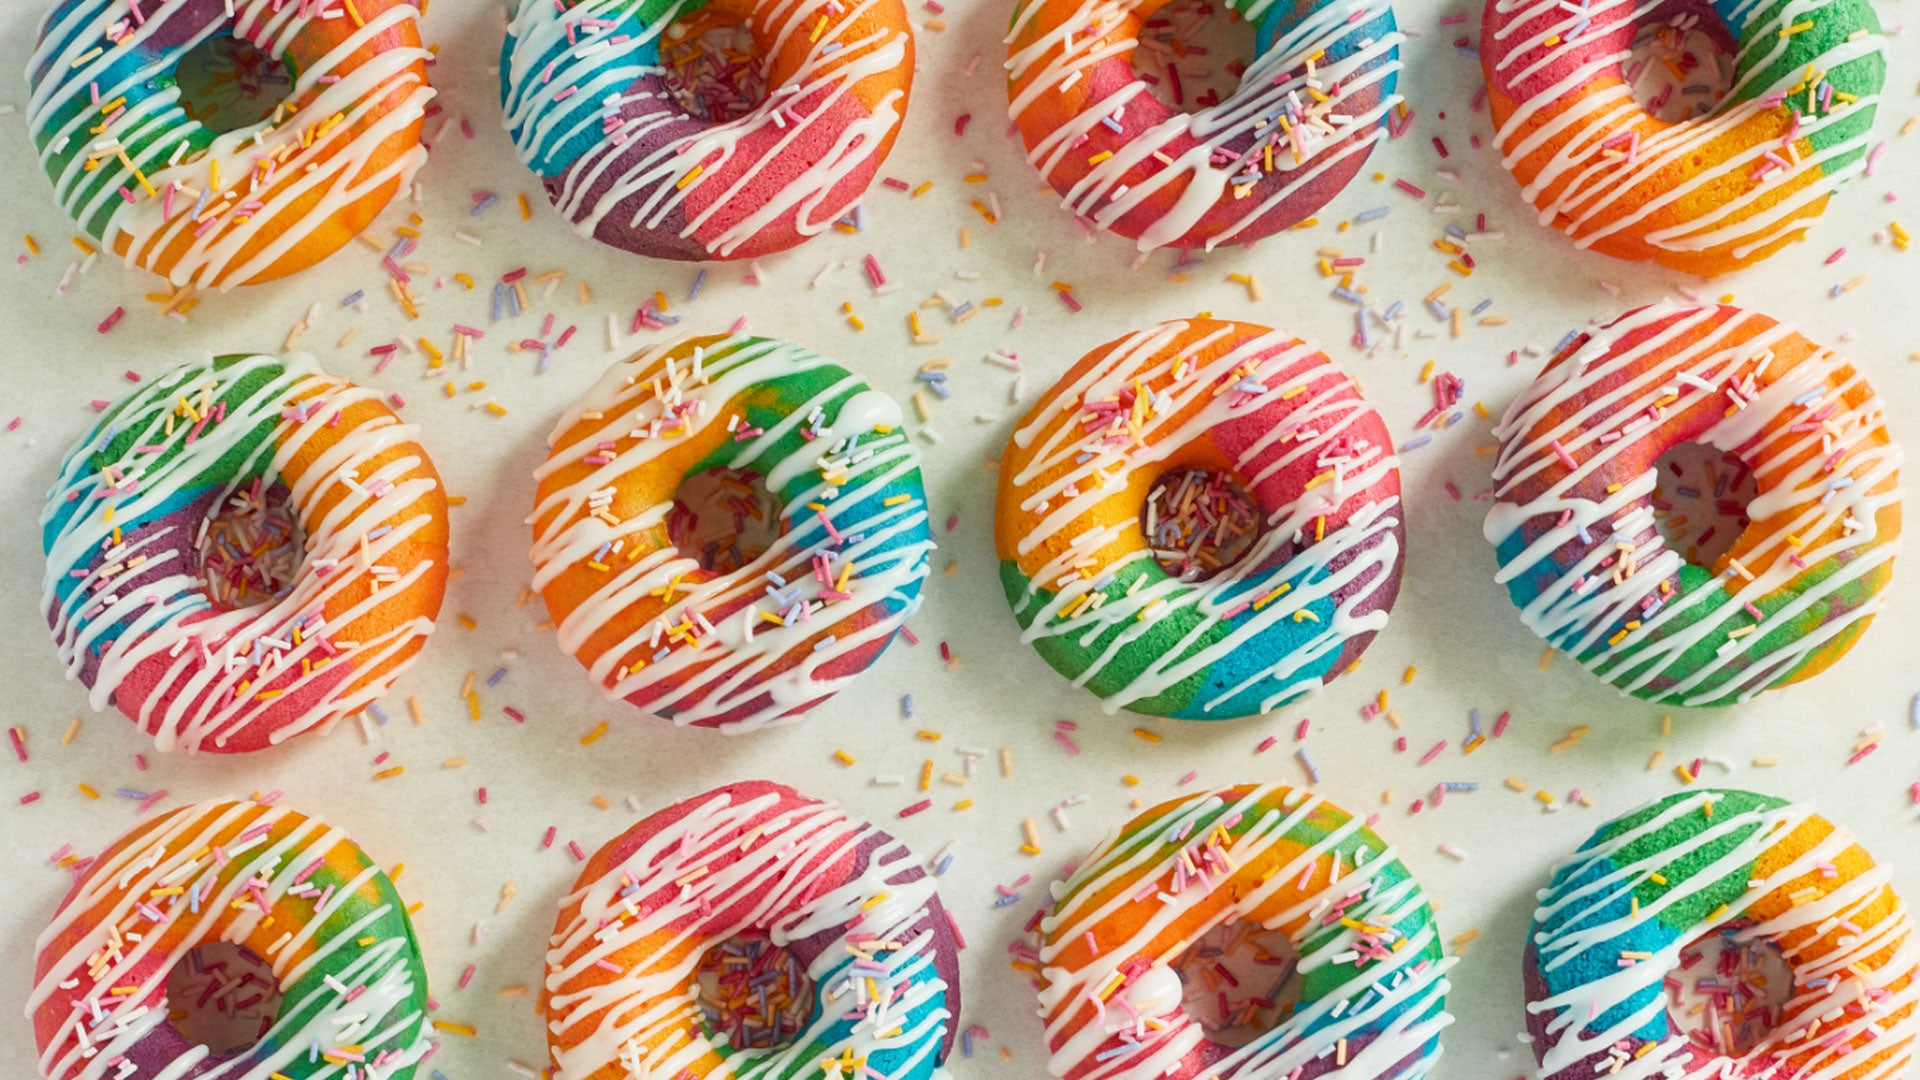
[[526, 209], [89, 792], [691, 176], [593, 736], [843, 757], [452, 1028]]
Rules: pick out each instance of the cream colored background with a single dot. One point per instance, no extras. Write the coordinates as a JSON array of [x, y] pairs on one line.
[[1452, 621]]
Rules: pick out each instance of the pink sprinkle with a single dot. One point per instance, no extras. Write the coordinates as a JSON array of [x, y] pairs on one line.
[[1862, 753], [874, 273], [1067, 299], [1835, 257], [1300, 729], [1410, 189], [1433, 753], [19, 744], [112, 320], [916, 808], [518, 716], [573, 846], [547, 841], [960, 125], [1500, 725], [1565, 458], [1189, 777], [1058, 736], [29, 797], [466, 976], [1266, 744]]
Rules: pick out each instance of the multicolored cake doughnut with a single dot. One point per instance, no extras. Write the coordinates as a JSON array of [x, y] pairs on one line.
[[1623, 921], [1259, 406], [1308, 111], [847, 904], [1579, 548], [210, 208], [1371, 980], [761, 644], [289, 889], [594, 113], [1703, 195], [233, 640]]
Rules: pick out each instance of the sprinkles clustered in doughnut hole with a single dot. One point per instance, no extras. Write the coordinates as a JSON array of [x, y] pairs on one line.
[[1681, 68], [713, 68], [1726, 992], [1192, 53], [1241, 981], [250, 545], [753, 993], [1198, 522]]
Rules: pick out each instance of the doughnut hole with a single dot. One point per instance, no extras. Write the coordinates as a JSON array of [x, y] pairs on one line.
[[1682, 62], [227, 83], [1238, 981], [723, 518], [753, 993], [250, 546], [1728, 992], [1700, 501], [223, 997], [1192, 53], [714, 68], [1198, 522]]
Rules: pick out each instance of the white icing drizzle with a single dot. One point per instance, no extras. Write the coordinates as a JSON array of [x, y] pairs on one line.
[[1178, 862], [1320, 134], [1854, 970], [1823, 479], [591, 50], [1064, 467], [651, 403], [647, 1018], [123, 907], [1592, 190], [216, 662]]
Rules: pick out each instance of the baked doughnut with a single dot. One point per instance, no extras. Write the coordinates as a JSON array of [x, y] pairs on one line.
[[1620, 926], [1573, 522], [265, 200], [729, 648], [848, 904], [1259, 406], [594, 113], [236, 638], [1309, 109], [1371, 979], [294, 892], [1703, 195]]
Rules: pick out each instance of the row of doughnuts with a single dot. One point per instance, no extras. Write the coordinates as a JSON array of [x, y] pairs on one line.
[[645, 149], [753, 930], [246, 548]]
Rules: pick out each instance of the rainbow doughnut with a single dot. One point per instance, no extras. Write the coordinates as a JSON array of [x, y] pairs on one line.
[[294, 892], [1619, 925], [1703, 195], [1309, 109], [131, 553], [253, 204], [1372, 980], [1255, 404], [593, 113], [741, 649], [1574, 525], [850, 906]]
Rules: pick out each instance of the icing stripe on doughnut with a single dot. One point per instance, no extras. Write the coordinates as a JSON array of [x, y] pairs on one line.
[[1374, 982], [1343, 51], [1752, 197], [1331, 552], [847, 479], [730, 864], [1651, 885], [583, 89], [336, 937], [222, 209], [123, 591], [1815, 436]]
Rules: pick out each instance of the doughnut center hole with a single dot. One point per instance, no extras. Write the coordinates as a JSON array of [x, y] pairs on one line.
[[251, 546], [1239, 981], [714, 69], [1198, 522], [1700, 501], [753, 993], [1192, 53], [223, 997], [724, 518], [1678, 69], [227, 83], [1728, 992]]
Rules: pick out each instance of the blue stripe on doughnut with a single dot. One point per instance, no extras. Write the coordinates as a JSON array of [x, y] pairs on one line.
[[562, 132], [1277, 23], [1251, 667]]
